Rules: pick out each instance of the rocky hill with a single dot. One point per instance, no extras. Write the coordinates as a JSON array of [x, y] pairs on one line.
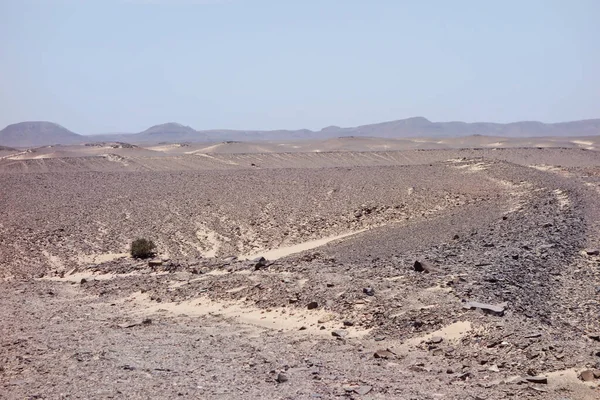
[[37, 133], [28, 134]]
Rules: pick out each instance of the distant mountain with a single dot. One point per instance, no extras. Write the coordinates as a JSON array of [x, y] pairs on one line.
[[30, 134], [37, 133], [172, 130]]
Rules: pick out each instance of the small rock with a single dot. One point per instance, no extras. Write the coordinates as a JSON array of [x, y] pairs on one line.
[[422, 266], [385, 354], [497, 310], [595, 336], [312, 305], [464, 376], [533, 335], [362, 390], [281, 378], [155, 263], [348, 323], [435, 340], [537, 379], [259, 263], [145, 321], [494, 368], [369, 291], [341, 333], [325, 318], [592, 252], [587, 375]]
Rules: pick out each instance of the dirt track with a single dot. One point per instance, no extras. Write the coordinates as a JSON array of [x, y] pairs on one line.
[[495, 227]]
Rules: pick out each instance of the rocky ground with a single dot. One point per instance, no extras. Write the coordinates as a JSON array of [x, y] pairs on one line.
[[466, 275]]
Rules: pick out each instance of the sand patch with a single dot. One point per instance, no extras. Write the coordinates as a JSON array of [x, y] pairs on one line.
[[583, 142], [450, 333], [283, 319], [562, 198], [76, 277], [54, 261], [211, 242], [568, 381], [100, 258], [115, 158], [480, 166], [229, 162], [209, 148], [281, 252]]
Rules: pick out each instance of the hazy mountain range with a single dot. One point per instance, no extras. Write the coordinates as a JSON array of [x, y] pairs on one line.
[[40, 133]]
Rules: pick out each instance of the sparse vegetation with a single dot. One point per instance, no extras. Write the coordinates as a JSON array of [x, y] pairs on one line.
[[142, 248]]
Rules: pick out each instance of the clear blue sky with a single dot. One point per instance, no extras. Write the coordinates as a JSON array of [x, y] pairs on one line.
[[123, 65]]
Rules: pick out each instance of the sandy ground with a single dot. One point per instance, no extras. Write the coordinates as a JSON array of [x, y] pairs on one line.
[[337, 309]]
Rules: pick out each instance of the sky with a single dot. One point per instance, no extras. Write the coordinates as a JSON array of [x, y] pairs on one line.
[[98, 66]]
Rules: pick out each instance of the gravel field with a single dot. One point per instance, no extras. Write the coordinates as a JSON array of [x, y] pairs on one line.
[[422, 274]]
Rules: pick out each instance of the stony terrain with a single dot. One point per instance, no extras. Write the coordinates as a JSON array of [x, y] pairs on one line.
[[421, 274]]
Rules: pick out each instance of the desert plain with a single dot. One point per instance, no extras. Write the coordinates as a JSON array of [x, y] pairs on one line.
[[359, 268]]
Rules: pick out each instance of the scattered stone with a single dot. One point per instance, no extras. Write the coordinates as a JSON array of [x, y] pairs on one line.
[[379, 338], [515, 379], [312, 305], [464, 376], [385, 354], [538, 389], [362, 390], [155, 263], [281, 378], [369, 291], [329, 284], [537, 379], [494, 368], [145, 321], [422, 266], [435, 340], [340, 333], [587, 375], [259, 263], [497, 310], [325, 318], [437, 352], [533, 335], [348, 323], [595, 336], [592, 252]]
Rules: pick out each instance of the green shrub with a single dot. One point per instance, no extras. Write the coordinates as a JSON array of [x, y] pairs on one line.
[[142, 248]]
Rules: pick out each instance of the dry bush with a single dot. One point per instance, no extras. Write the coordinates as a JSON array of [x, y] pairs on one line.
[[142, 248]]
